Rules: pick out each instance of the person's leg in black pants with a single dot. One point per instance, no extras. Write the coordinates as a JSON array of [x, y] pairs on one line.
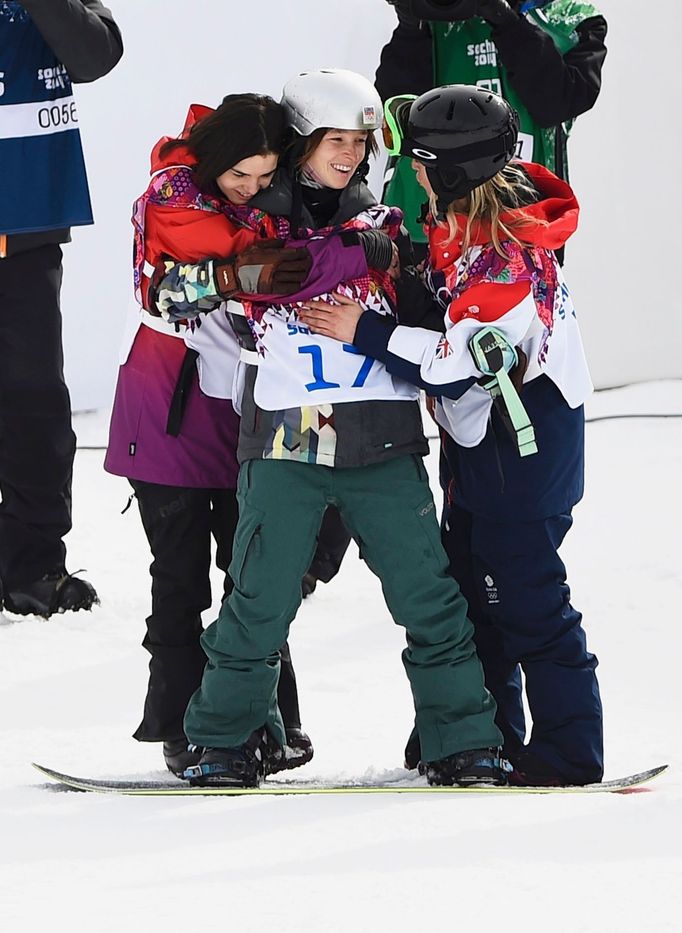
[[332, 544], [179, 523], [37, 444]]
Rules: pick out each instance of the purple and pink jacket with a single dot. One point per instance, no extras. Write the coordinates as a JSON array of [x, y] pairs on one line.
[[174, 222]]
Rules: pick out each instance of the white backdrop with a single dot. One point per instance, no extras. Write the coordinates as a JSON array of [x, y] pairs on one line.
[[619, 152]]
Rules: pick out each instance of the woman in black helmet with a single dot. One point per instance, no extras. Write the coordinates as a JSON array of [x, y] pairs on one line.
[[510, 379]]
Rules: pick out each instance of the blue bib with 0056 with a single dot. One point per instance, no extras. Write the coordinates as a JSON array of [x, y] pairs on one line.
[[43, 185]]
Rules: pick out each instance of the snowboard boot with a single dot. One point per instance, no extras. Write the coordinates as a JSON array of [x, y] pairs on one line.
[[179, 755], [480, 767], [298, 751], [308, 584], [413, 753], [530, 771], [244, 766], [55, 592]]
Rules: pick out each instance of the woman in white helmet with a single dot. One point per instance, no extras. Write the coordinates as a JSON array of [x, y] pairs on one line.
[[323, 425]]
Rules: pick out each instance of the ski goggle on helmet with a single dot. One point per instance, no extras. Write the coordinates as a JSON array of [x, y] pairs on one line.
[[462, 134]]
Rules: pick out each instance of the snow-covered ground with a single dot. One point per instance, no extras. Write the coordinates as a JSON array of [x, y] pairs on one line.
[[71, 691]]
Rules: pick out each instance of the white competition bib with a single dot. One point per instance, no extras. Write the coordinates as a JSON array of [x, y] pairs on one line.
[[298, 368], [218, 351]]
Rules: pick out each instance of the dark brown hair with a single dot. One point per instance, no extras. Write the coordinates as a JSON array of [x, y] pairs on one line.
[[244, 125]]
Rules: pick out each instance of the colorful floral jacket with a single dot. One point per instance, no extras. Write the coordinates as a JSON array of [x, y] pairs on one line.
[[527, 299], [524, 295]]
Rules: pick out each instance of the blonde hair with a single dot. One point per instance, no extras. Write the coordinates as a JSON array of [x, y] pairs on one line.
[[509, 189]]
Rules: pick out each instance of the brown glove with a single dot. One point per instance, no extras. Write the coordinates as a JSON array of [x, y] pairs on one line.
[[265, 268]]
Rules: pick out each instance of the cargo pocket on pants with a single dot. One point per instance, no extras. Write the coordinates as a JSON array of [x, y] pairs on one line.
[[246, 547]]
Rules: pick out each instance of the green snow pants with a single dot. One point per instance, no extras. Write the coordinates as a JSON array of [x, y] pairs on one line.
[[389, 509]]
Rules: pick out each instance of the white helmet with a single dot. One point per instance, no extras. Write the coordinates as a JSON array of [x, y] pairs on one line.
[[333, 98]]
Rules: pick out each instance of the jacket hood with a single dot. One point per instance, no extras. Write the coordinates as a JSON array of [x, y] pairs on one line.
[[181, 155], [555, 213]]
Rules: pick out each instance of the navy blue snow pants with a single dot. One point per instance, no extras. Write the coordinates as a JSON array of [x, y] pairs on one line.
[[519, 602]]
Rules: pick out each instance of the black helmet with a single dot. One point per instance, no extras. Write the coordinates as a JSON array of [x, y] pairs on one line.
[[463, 134]]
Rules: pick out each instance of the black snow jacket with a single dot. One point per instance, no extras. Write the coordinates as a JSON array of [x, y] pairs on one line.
[[366, 432], [553, 88]]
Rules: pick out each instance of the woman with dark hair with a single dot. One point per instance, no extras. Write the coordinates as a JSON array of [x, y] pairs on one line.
[[174, 428]]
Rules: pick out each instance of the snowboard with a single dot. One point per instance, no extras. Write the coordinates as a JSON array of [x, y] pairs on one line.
[[628, 784]]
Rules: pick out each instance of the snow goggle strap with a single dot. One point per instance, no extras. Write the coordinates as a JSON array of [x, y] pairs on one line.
[[394, 113], [494, 356]]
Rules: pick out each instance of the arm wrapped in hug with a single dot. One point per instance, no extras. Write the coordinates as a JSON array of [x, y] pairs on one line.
[[181, 291]]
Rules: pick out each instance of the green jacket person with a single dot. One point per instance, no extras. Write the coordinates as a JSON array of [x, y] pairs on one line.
[[545, 58]]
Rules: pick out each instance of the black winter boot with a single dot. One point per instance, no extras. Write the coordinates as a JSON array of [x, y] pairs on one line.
[[308, 584], [413, 752], [480, 767], [55, 592], [298, 751], [179, 755], [244, 766], [530, 771]]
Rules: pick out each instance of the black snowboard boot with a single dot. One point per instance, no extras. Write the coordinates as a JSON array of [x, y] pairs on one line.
[[298, 751], [179, 755], [308, 584], [244, 766], [413, 752], [480, 767], [55, 592], [530, 771]]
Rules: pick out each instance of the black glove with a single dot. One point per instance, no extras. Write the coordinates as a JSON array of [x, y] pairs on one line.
[[378, 247], [265, 268], [443, 10], [496, 12], [403, 9], [516, 373]]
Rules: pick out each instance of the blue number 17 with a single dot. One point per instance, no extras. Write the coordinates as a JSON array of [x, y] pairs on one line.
[[320, 382]]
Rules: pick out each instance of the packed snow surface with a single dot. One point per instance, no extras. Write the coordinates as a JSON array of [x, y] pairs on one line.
[[71, 692]]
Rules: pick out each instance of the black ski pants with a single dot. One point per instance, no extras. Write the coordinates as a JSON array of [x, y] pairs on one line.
[[179, 523], [332, 544], [37, 444]]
